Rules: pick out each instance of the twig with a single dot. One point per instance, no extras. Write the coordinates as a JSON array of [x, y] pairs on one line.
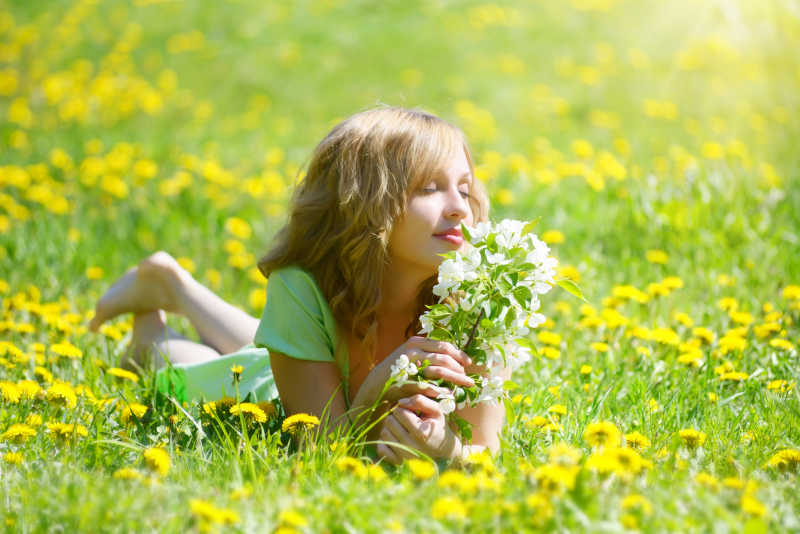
[[474, 327]]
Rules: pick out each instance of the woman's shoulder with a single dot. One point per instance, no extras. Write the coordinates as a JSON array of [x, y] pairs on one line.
[[297, 280]]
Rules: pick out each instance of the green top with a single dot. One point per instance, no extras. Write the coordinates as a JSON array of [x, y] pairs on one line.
[[296, 321]]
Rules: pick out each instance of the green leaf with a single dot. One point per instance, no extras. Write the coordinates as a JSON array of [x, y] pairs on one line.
[[465, 231], [571, 287], [440, 334], [464, 427], [528, 228]]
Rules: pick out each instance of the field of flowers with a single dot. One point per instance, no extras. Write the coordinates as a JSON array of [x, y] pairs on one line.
[[656, 142]]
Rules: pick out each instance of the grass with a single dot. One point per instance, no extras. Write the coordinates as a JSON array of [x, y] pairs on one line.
[[626, 126]]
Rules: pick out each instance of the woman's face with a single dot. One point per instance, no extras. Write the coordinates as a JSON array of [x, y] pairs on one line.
[[431, 224]]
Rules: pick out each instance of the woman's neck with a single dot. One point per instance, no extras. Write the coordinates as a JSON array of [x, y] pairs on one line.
[[399, 293]]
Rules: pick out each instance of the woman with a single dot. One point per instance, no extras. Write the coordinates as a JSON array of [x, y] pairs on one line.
[[385, 194]]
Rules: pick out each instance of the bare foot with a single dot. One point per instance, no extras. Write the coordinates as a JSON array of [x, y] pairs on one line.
[[151, 285], [148, 329]]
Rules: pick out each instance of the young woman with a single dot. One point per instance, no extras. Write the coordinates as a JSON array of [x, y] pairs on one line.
[[384, 195]]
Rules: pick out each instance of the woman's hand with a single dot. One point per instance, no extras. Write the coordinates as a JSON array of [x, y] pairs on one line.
[[418, 423], [446, 362]]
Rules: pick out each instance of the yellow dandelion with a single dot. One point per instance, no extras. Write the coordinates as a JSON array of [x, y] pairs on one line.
[[237, 372], [126, 473], [636, 440], [638, 502], [292, 518], [553, 237], [242, 493], [14, 458], [785, 460], [294, 423], [356, 467], [94, 273], [540, 509], [67, 349], [157, 460], [67, 430], [549, 338], [564, 454], [34, 420], [782, 344], [656, 256], [62, 393], [791, 292], [239, 228], [602, 434], [18, 433], [209, 513], [449, 507], [269, 408], [555, 478], [550, 353], [692, 438], [752, 506], [421, 469], [132, 411], [707, 480], [557, 409], [250, 412], [599, 346], [734, 376], [28, 389], [122, 373], [781, 386], [703, 334], [733, 483], [10, 392]]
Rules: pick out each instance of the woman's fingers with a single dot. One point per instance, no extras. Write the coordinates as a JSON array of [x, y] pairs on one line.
[[388, 454], [422, 405], [394, 432], [441, 347], [449, 375], [419, 388], [442, 366]]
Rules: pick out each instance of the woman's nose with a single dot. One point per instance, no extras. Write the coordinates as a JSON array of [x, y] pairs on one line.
[[458, 206]]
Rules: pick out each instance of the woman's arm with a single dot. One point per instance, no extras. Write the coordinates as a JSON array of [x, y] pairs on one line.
[[307, 386]]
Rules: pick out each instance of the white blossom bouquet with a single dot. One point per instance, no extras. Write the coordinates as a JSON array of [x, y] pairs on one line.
[[488, 302]]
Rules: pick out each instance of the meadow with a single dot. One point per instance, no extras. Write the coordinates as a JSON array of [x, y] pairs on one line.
[[655, 142]]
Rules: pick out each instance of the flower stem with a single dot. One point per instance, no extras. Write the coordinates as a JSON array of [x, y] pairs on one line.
[[474, 328]]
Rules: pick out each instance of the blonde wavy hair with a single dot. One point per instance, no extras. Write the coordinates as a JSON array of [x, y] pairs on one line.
[[342, 213]]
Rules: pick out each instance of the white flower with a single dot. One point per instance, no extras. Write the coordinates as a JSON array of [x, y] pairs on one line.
[[497, 258], [447, 401], [509, 233], [402, 368], [492, 389], [427, 324], [480, 231]]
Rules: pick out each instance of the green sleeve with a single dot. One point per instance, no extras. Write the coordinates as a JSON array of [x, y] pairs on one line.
[[297, 321]]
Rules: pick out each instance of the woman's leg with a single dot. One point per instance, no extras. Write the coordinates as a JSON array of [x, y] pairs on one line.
[[153, 340], [160, 283]]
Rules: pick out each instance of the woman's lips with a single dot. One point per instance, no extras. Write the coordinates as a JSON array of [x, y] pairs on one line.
[[451, 236]]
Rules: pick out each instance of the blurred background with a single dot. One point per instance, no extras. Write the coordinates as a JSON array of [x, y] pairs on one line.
[[630, 128]]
